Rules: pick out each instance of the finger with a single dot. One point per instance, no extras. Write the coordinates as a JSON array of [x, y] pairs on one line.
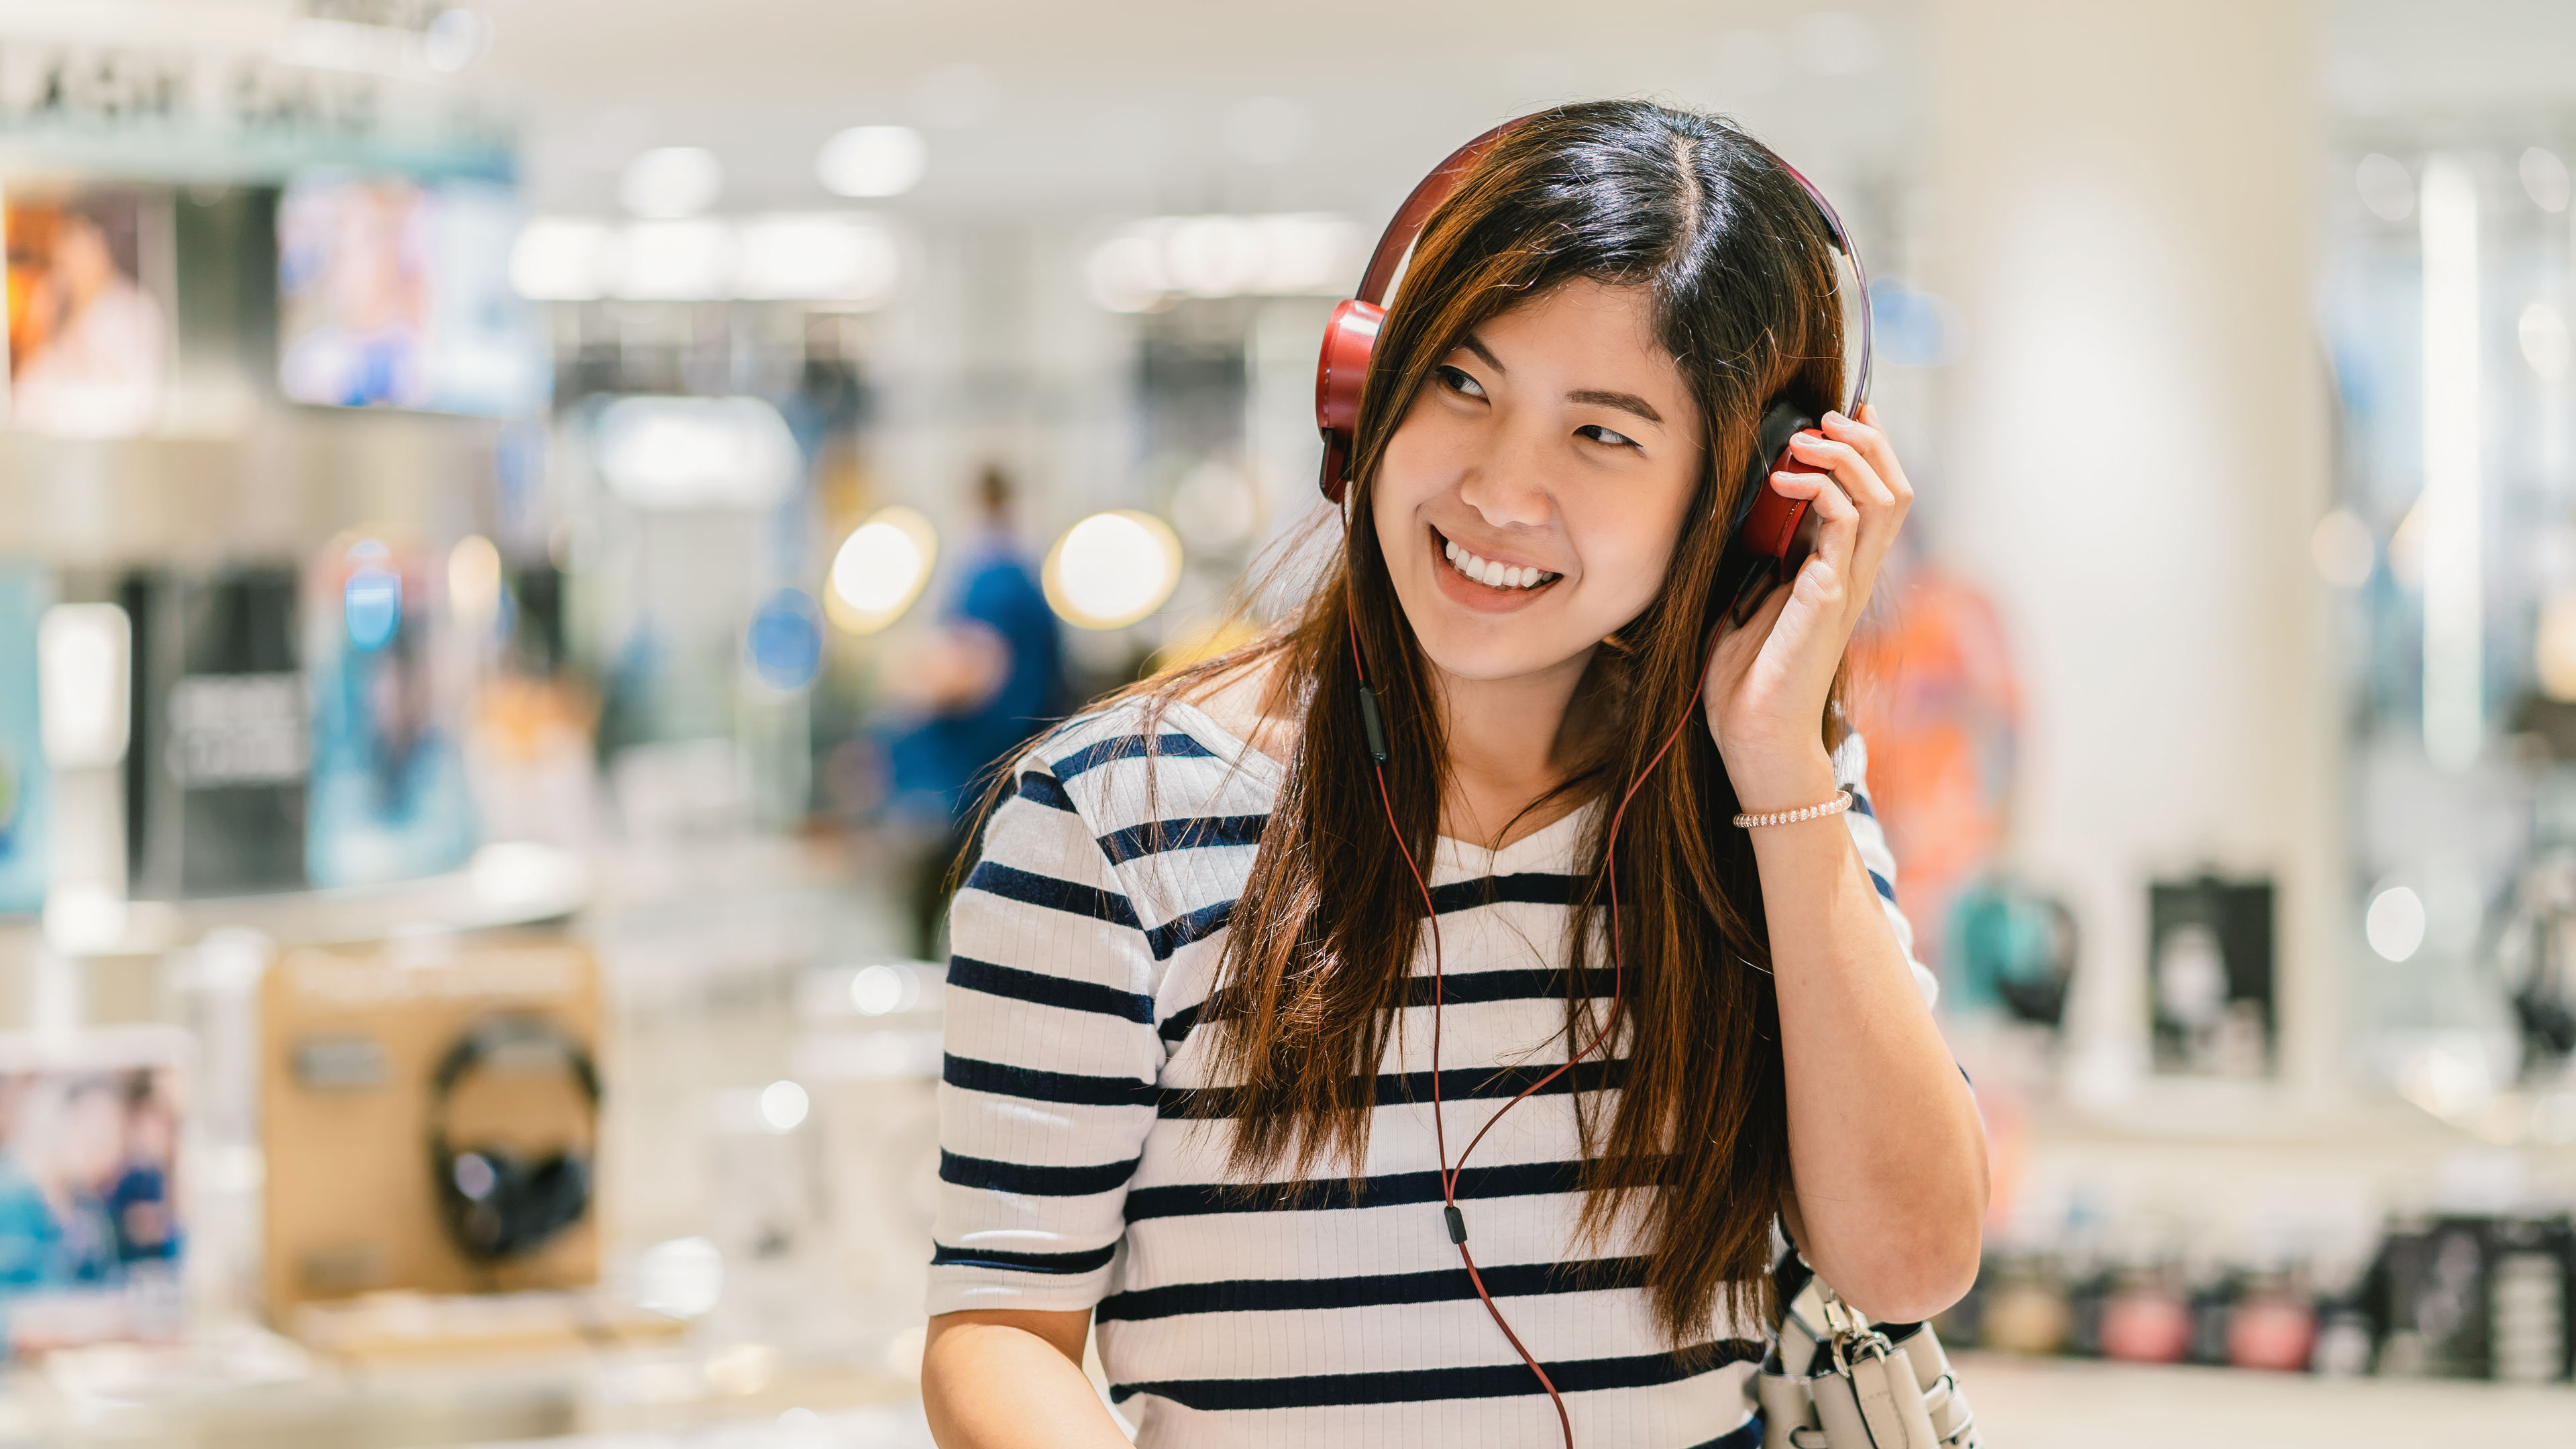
[[1838, 517], [1850, 467], [1865, 434]]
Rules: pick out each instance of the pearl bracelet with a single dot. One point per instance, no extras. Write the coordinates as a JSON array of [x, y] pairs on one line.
[[1841, 802]]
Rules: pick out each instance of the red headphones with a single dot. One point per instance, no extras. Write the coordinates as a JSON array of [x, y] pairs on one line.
[[1770, 535], [1769, 525]]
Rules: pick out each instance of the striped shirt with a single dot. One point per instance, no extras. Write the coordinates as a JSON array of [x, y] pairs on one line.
[[1072, 1177]]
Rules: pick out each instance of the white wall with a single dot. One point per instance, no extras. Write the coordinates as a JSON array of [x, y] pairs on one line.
[[2135, 450]]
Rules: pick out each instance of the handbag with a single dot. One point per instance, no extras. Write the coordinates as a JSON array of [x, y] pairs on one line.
[[1834, 1380]]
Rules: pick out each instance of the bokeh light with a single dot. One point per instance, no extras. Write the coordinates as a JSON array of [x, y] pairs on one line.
[[474, 582], [872, 161], [783, 1106], [785, 642], [2394, 924], [1112, 569], [879, 570]]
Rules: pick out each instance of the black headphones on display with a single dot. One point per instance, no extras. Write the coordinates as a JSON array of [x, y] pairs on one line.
[[496, 1204], [1768, 538]]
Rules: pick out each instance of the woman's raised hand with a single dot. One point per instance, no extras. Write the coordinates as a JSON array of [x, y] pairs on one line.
[[1768, 683]]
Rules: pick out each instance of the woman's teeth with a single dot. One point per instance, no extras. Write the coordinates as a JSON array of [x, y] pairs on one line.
[[1486, 571]]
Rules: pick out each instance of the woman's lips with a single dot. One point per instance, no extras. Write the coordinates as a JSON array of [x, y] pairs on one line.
[[1469, 593]]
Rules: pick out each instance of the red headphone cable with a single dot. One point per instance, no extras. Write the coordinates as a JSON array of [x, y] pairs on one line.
[[1457, 1219]]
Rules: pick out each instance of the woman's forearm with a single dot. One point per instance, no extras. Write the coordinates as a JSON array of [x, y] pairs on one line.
[[1886, 1150], [1012, 1381]]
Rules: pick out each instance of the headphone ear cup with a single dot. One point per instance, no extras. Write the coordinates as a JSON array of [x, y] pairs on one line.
[[1767, 521], [1341, 373], [481, 1189], [555, 1196]]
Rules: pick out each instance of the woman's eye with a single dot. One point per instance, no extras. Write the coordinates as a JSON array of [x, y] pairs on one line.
[[1456, 380], [1600, 434]]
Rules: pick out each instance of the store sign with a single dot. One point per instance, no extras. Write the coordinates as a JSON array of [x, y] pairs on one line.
[[237, 729], [162, 110]]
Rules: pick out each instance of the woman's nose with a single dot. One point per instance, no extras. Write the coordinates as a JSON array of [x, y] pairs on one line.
[[1508, 485]]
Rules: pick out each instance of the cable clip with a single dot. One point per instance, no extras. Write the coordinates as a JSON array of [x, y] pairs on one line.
[[1457, 1224]]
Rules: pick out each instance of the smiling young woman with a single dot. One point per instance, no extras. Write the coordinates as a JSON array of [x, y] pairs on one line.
[[1196, 1002]]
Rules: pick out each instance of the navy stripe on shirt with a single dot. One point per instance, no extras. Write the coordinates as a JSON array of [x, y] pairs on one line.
[[993, 1176], [1040, 789], [1207, 833], [1041, 989], [1130, 747], [1029, 888], [1004, 1080], [1333, 1194], [1089, 1260], [1373, 1290], [1463, 988], [1458, 1084], [1413, 1386]]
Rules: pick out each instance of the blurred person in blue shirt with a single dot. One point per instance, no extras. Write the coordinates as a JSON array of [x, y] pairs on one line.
[[986, 680]]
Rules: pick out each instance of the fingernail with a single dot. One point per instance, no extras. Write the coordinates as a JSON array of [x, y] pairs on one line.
[[1836, 417]]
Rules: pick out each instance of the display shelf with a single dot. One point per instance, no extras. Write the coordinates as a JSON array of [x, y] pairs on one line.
[[2033, 1403], [506, 884]]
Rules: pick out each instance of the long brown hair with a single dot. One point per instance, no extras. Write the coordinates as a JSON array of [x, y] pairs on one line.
[[1314, 976]]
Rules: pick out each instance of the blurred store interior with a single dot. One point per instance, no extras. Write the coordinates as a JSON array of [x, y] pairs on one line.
[[518, 520]]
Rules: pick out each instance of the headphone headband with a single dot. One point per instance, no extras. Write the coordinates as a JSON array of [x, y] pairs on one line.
[[1405, 227], [494, 1035], [1425, 198]]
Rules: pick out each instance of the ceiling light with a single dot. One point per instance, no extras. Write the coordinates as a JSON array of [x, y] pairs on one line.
[[1284, 254], [872, 161], [1112, 569], [671, 181], [696, 452], [558, 259], [816, 258], [673, 261]]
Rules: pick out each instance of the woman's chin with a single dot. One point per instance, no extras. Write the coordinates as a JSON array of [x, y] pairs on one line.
[[1496, 655]]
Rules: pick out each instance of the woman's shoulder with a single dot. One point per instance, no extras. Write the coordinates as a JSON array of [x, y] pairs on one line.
[[1155, 741]]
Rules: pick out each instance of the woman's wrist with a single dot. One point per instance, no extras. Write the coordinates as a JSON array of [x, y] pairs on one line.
[[1766, 781]]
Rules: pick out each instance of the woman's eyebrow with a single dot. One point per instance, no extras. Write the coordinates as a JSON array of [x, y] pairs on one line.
[[1626, 402], [1484, 354]]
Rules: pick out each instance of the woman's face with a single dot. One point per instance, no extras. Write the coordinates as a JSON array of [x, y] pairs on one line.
[[1529, 502]]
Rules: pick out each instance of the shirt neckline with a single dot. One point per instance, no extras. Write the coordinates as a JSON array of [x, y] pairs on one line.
[[1452, 858]]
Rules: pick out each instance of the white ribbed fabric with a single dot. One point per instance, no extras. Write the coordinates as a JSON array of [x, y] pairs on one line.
[[1304, 1314]]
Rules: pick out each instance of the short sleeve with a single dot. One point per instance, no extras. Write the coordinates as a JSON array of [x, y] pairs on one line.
[[1851, 771], [1047, 1088]]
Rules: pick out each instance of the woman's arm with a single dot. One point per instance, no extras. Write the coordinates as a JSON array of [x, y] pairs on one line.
[[1046, 1096], [1013, 1380], [1886, 1150], [1886, 1154]]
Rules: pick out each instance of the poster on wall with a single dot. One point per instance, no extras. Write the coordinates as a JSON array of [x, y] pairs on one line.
[[394, 292], [388, 796], [89, 309], [91, 1235]]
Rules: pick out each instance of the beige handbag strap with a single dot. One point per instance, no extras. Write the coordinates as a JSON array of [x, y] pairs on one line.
[[1833, 1380]]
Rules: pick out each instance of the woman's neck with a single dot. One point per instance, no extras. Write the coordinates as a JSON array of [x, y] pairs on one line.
[[1502, 736]]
